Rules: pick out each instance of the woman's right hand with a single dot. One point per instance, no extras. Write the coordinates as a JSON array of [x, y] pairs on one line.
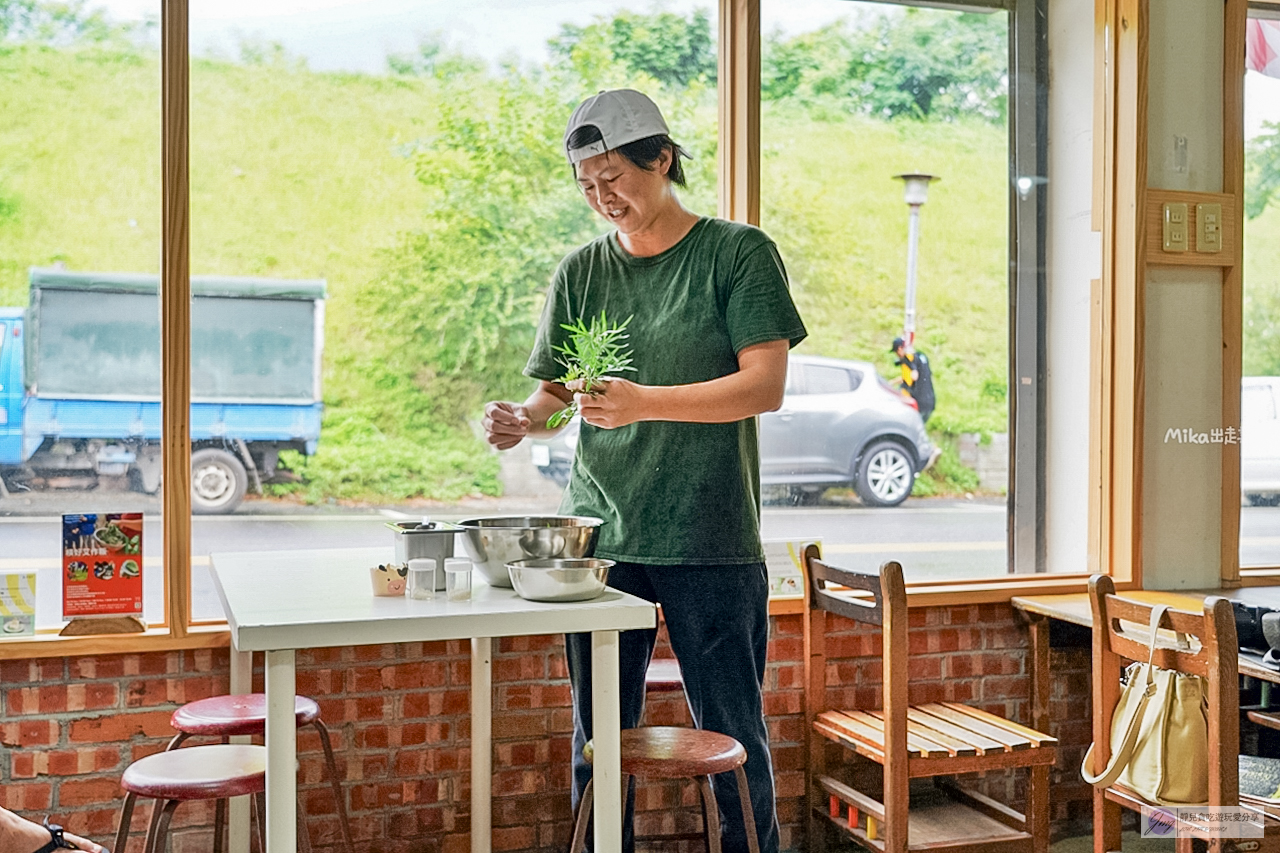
[[505, 424]]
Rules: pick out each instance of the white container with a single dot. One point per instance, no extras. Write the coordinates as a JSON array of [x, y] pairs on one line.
[[457, 573], [422, 578]]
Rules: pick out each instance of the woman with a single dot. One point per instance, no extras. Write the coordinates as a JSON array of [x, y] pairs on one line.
[[670, 460], [19, 835]]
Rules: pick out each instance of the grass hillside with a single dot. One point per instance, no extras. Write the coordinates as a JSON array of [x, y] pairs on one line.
[[304, 174]]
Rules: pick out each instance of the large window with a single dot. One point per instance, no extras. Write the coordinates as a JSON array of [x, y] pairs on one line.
[[79, 191], [1259, 428], [906, 173]]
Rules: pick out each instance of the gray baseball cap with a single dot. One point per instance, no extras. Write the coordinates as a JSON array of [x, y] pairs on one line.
[[621, 116]]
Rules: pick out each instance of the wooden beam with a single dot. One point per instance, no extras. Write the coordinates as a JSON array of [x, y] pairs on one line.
[[175, 314], [1234, 23], [739, 96]]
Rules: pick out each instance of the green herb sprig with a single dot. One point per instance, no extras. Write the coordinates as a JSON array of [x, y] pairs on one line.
[[591, 353]]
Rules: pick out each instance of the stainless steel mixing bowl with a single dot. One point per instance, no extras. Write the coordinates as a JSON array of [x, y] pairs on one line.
[[559, 579], [493, 542]]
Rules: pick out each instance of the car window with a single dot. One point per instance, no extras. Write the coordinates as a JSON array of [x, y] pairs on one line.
[[821, 379], [1257, 403]]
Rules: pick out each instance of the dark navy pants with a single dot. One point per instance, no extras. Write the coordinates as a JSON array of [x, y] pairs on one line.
[[718, 622]]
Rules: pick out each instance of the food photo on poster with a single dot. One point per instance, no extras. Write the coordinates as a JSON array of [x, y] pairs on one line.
[[102, 564]]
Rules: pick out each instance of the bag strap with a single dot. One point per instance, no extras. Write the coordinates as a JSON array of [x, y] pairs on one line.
[[1133, 723]]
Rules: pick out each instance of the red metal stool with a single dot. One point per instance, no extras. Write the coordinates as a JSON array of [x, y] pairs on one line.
[[674, 752], [198, 773], [246, 714]]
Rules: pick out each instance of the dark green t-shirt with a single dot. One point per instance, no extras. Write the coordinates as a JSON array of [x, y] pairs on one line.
[[672, 492]]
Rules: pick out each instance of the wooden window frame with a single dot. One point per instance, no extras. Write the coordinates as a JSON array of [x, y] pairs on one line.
[[1119, 205]]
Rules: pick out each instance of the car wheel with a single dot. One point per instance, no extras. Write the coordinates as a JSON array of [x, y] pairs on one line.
[[218, 481], [885, 475]]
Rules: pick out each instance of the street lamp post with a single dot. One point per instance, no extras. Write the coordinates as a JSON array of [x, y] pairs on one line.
[[916, 186]]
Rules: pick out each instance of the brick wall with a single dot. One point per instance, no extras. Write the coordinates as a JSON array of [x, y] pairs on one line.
[[398, 719]]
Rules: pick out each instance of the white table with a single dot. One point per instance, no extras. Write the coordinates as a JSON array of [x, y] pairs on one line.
[[280, 601]]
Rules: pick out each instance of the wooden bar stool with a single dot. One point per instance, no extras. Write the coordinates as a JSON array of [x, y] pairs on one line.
[[675, 752], [215, 772], [246, 714]]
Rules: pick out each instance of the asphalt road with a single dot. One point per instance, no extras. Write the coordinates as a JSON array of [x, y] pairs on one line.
[[933, 538]]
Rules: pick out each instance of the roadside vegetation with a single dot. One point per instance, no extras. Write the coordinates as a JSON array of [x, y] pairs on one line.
[[435, 201]]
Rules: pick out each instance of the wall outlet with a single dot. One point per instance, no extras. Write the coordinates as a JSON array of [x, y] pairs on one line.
[[1208, 228], [1175, 227]]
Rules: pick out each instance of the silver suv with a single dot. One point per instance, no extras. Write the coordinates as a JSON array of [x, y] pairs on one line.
[[840, 424]]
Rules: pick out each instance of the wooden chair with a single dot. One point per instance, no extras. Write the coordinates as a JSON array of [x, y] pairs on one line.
[[910, 742], [1120, 630]]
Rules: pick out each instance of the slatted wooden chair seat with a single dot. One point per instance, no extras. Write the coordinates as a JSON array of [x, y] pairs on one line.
[[934, 740]]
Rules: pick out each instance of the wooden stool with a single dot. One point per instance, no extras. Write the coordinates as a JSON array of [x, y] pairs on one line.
[[246, 714], [673, 752], [198, 773]]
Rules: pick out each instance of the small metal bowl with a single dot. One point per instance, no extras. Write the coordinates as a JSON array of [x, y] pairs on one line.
[[559, 579]]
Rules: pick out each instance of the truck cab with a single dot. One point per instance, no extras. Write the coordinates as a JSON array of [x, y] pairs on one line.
[[10, 385]]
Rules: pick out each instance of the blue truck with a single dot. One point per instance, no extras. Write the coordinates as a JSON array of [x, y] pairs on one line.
[[80, 382]]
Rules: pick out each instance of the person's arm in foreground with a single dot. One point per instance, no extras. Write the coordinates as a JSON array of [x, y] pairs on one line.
[[755, 387], [19, 835]]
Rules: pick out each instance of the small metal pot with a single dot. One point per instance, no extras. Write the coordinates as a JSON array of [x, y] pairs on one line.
[[433, 541]]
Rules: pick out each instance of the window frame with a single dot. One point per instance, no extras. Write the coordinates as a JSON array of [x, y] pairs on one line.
[[1114, 521]]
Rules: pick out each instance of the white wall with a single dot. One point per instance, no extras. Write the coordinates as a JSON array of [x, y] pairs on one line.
[[1074, 258], [1181, 483]]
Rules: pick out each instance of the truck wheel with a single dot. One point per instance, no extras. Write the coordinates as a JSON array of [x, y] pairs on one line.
[[885, 475], [218, 481]]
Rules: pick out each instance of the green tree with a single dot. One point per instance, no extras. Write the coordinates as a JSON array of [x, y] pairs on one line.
[[1262, 170], [434, 58], [674, 50], [919, 63], [924, 62], [55, 23], [465, 289]]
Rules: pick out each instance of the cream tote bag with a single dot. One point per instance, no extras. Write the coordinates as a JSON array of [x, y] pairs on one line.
[[1159, 733]]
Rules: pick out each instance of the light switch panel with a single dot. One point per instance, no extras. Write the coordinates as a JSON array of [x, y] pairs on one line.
[[1175, 227], [1208, 228]]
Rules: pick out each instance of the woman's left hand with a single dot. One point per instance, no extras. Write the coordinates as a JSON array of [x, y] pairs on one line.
[[612, 403]]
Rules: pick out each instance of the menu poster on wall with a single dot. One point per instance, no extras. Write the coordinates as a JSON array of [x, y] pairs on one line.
[[18, 604], [102, 564]]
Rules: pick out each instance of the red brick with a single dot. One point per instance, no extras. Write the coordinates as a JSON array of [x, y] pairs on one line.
[[365, 654], [414, 676], [39, 671], [118, 728], [34, 797], [85, 792], [26, 733]]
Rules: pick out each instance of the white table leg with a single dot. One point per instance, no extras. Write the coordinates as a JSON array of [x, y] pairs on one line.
[[481, 744], [282, 752], [238, 813], [606, 723]]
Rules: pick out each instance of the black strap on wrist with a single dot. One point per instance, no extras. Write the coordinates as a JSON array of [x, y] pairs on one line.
[[56, 841]]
